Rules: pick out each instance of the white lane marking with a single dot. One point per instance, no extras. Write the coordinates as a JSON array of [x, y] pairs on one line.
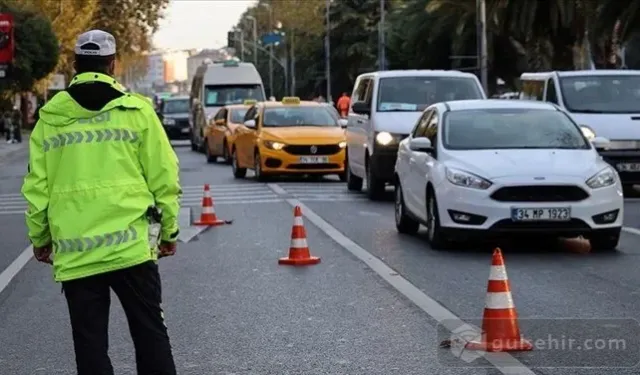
[[631, 230], [277, 189], [505, 363], [18, 264]]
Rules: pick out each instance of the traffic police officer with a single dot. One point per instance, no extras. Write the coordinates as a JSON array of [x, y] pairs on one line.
[[99, 163]]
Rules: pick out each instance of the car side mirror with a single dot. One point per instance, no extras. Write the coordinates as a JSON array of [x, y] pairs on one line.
[[421, 144], [361, 108], [600, 143], [251, 124], [343, 122]]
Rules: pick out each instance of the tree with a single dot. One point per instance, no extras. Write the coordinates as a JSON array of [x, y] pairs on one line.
[[69, 18], [36, 48]]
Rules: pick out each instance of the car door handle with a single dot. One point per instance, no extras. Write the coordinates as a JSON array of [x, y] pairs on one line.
[[360, 121]]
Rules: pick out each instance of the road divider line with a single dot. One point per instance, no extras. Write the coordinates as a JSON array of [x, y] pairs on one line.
[[15, 267], [277, 189], [505, 363], [631, 230]]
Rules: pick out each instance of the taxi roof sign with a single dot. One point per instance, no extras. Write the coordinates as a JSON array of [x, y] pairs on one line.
[[250, 102], [230, 63], [290, 100]]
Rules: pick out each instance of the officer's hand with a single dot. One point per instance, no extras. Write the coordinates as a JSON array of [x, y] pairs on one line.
[[43, 254], [167, 249]]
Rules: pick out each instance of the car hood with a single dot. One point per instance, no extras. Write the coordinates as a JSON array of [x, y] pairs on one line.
[[395, 122], [305, 134], [537, 163], [613, 126]]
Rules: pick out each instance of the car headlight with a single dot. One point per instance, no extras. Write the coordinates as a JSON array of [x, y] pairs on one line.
[[342, 144], [169, 121], [384, 138], [604, 178], [466, 179], [588, 132], [273, 145]]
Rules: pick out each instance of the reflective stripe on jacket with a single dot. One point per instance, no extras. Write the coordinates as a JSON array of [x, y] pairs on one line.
[[92, 176]]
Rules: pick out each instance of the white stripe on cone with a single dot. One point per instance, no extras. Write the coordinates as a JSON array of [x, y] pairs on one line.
[[208, 210], [207, 194], [299, 243], [297, 221], [501, 300], [498, 273]]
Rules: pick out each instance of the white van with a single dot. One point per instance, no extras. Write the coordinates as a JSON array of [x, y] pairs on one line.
[[218, 84], [384, 108], [605, 103]]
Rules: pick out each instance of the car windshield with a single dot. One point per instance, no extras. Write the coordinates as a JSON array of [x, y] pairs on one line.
[[492, 129], [237, 115], [218, 96], [298, 116], [601, 94], [176, 106], [414, 94]]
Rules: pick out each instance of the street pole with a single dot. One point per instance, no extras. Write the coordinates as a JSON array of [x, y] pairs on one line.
[[255, 40], [482, 56], [271, 52], [293, 64], [241, 45], [327, 54], [381, 39], [286, 66]]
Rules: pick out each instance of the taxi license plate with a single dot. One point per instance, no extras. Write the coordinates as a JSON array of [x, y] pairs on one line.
[[541, 214], [629, 167], [314, 159]]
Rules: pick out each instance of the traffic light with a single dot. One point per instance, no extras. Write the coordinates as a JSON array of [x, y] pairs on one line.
[[231, 39]]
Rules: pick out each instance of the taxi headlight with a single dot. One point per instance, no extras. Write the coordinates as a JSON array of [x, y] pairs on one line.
[[384, 138], [169, 121], [588, 132], [466, 179], [273, 145], [604, 178], [342, 144]]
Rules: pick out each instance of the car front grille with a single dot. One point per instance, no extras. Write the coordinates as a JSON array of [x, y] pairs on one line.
[[307, 149], [540, 193], [182, 123]]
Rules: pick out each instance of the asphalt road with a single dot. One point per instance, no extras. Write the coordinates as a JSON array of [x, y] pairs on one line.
[[373, 305]]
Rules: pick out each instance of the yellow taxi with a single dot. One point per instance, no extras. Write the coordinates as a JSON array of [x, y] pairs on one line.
[[289, 137], [220, 133]]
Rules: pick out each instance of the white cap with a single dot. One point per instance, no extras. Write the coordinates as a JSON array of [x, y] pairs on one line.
[[96, 43]]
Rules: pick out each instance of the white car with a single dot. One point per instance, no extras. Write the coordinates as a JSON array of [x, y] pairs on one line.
[[497, 167]]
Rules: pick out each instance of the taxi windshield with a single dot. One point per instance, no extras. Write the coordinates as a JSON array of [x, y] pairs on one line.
[[601, 94], [220, 95], [176, 106], [298, 116], [520, 128], [237, 115], [414, 94]]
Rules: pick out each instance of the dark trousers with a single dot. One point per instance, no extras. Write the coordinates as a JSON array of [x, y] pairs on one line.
[[138, 289]]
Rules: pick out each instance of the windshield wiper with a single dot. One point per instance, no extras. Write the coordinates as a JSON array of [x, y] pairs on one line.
[[588, 111], [400, 110]]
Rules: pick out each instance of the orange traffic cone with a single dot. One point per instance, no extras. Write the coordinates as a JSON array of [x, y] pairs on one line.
[[208, 215], [500, 331], [299, 254]]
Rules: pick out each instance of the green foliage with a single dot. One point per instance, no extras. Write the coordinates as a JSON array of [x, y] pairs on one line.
[[36, 53], [522, 35]]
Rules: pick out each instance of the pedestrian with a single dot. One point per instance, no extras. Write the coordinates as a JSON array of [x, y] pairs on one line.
[[343, 104], [103, 197], [16, 121]]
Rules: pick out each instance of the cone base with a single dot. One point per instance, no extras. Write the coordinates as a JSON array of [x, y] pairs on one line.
[[213, 223], [299, 262], [501, 345]]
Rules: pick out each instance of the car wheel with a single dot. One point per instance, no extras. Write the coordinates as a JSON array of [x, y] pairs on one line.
[[404, 223], [237, 171], [605, 241], [226, 158], [435, 236], [354, 183], [207, 153], [375, 187], [257, 168], [629, 191]]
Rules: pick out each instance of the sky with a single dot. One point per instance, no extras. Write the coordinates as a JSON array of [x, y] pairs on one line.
[[198, 23]]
